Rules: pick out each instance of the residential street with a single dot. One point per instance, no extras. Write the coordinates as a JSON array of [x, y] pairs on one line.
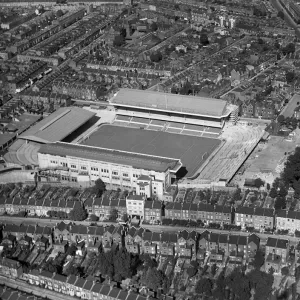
[[157, 228]]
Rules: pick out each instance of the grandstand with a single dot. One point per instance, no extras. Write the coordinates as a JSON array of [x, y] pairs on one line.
[[172, 127], [56, 127], [140, 106]]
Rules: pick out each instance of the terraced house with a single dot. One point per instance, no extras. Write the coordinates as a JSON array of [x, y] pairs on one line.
[[288, 220], [257, 217], [33, 231], [38, 207], [207, 213], [82, 288], [278, 247]]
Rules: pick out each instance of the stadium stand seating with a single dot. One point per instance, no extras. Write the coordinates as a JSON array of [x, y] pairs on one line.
[[169, 126], [22, 153]]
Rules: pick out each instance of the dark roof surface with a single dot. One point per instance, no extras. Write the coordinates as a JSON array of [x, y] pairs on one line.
[[58, 125], [170, 102]]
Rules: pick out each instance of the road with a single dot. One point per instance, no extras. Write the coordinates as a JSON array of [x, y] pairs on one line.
[[33, 289], [156, 228], [288, 19]]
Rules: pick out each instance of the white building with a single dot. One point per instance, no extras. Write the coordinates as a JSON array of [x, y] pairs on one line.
[[288, 220], [118, 169], [135, 205], [150, 187]]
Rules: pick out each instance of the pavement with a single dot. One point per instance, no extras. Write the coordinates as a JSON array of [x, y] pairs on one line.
[[155, 228]]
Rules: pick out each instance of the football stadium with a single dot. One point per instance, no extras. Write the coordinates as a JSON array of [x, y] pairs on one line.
[[161, 136]]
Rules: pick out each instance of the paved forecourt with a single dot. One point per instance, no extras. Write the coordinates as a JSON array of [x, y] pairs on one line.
[[191, 150]]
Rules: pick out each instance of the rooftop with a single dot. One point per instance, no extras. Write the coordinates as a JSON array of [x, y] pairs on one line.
[[58, 125], [170, 102], [138, 161]]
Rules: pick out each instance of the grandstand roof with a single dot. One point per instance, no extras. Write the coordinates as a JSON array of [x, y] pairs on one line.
[[135, 160], [191, 150], [58, 125], [170, 102]]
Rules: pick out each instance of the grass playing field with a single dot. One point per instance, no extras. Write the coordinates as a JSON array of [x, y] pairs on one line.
[[192, 150]]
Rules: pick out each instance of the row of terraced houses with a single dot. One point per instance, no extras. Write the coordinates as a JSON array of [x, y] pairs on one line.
[[153, 211]]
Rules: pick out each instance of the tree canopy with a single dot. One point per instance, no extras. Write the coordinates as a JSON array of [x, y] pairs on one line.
[[259, 259], [262, 284], [78, 214], [119, 41], [153, 279], [204, 39], [204, 287], [99, 187], [280, 14], [153, 26]]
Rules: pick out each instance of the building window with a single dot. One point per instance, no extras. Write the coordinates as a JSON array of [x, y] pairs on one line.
[[73, 179], [83, 168], [73, 166], [125, 175], [94, 169], [115, 173]]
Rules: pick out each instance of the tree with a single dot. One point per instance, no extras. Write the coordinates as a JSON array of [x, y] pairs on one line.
[[280, 14], [239, 284], [156, 57], [123, 32], [78, 214], [94, 218], [213, 269], [290, 76], [153, 279], [59, 13], [259, 182], [285, 271], [204, 286], [119, 41], [262, 283], [153, 26], [204, 39], [280, 203], [268, 186], [273, 193], [259, 259], [260, 41], [191, 271], [297, 273], [280, 119], [290, 48], [236, 196], [99, 187], [114, 214]]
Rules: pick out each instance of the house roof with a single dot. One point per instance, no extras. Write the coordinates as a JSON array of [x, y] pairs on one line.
[[254, 238], [139, 161], [170, 102]]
